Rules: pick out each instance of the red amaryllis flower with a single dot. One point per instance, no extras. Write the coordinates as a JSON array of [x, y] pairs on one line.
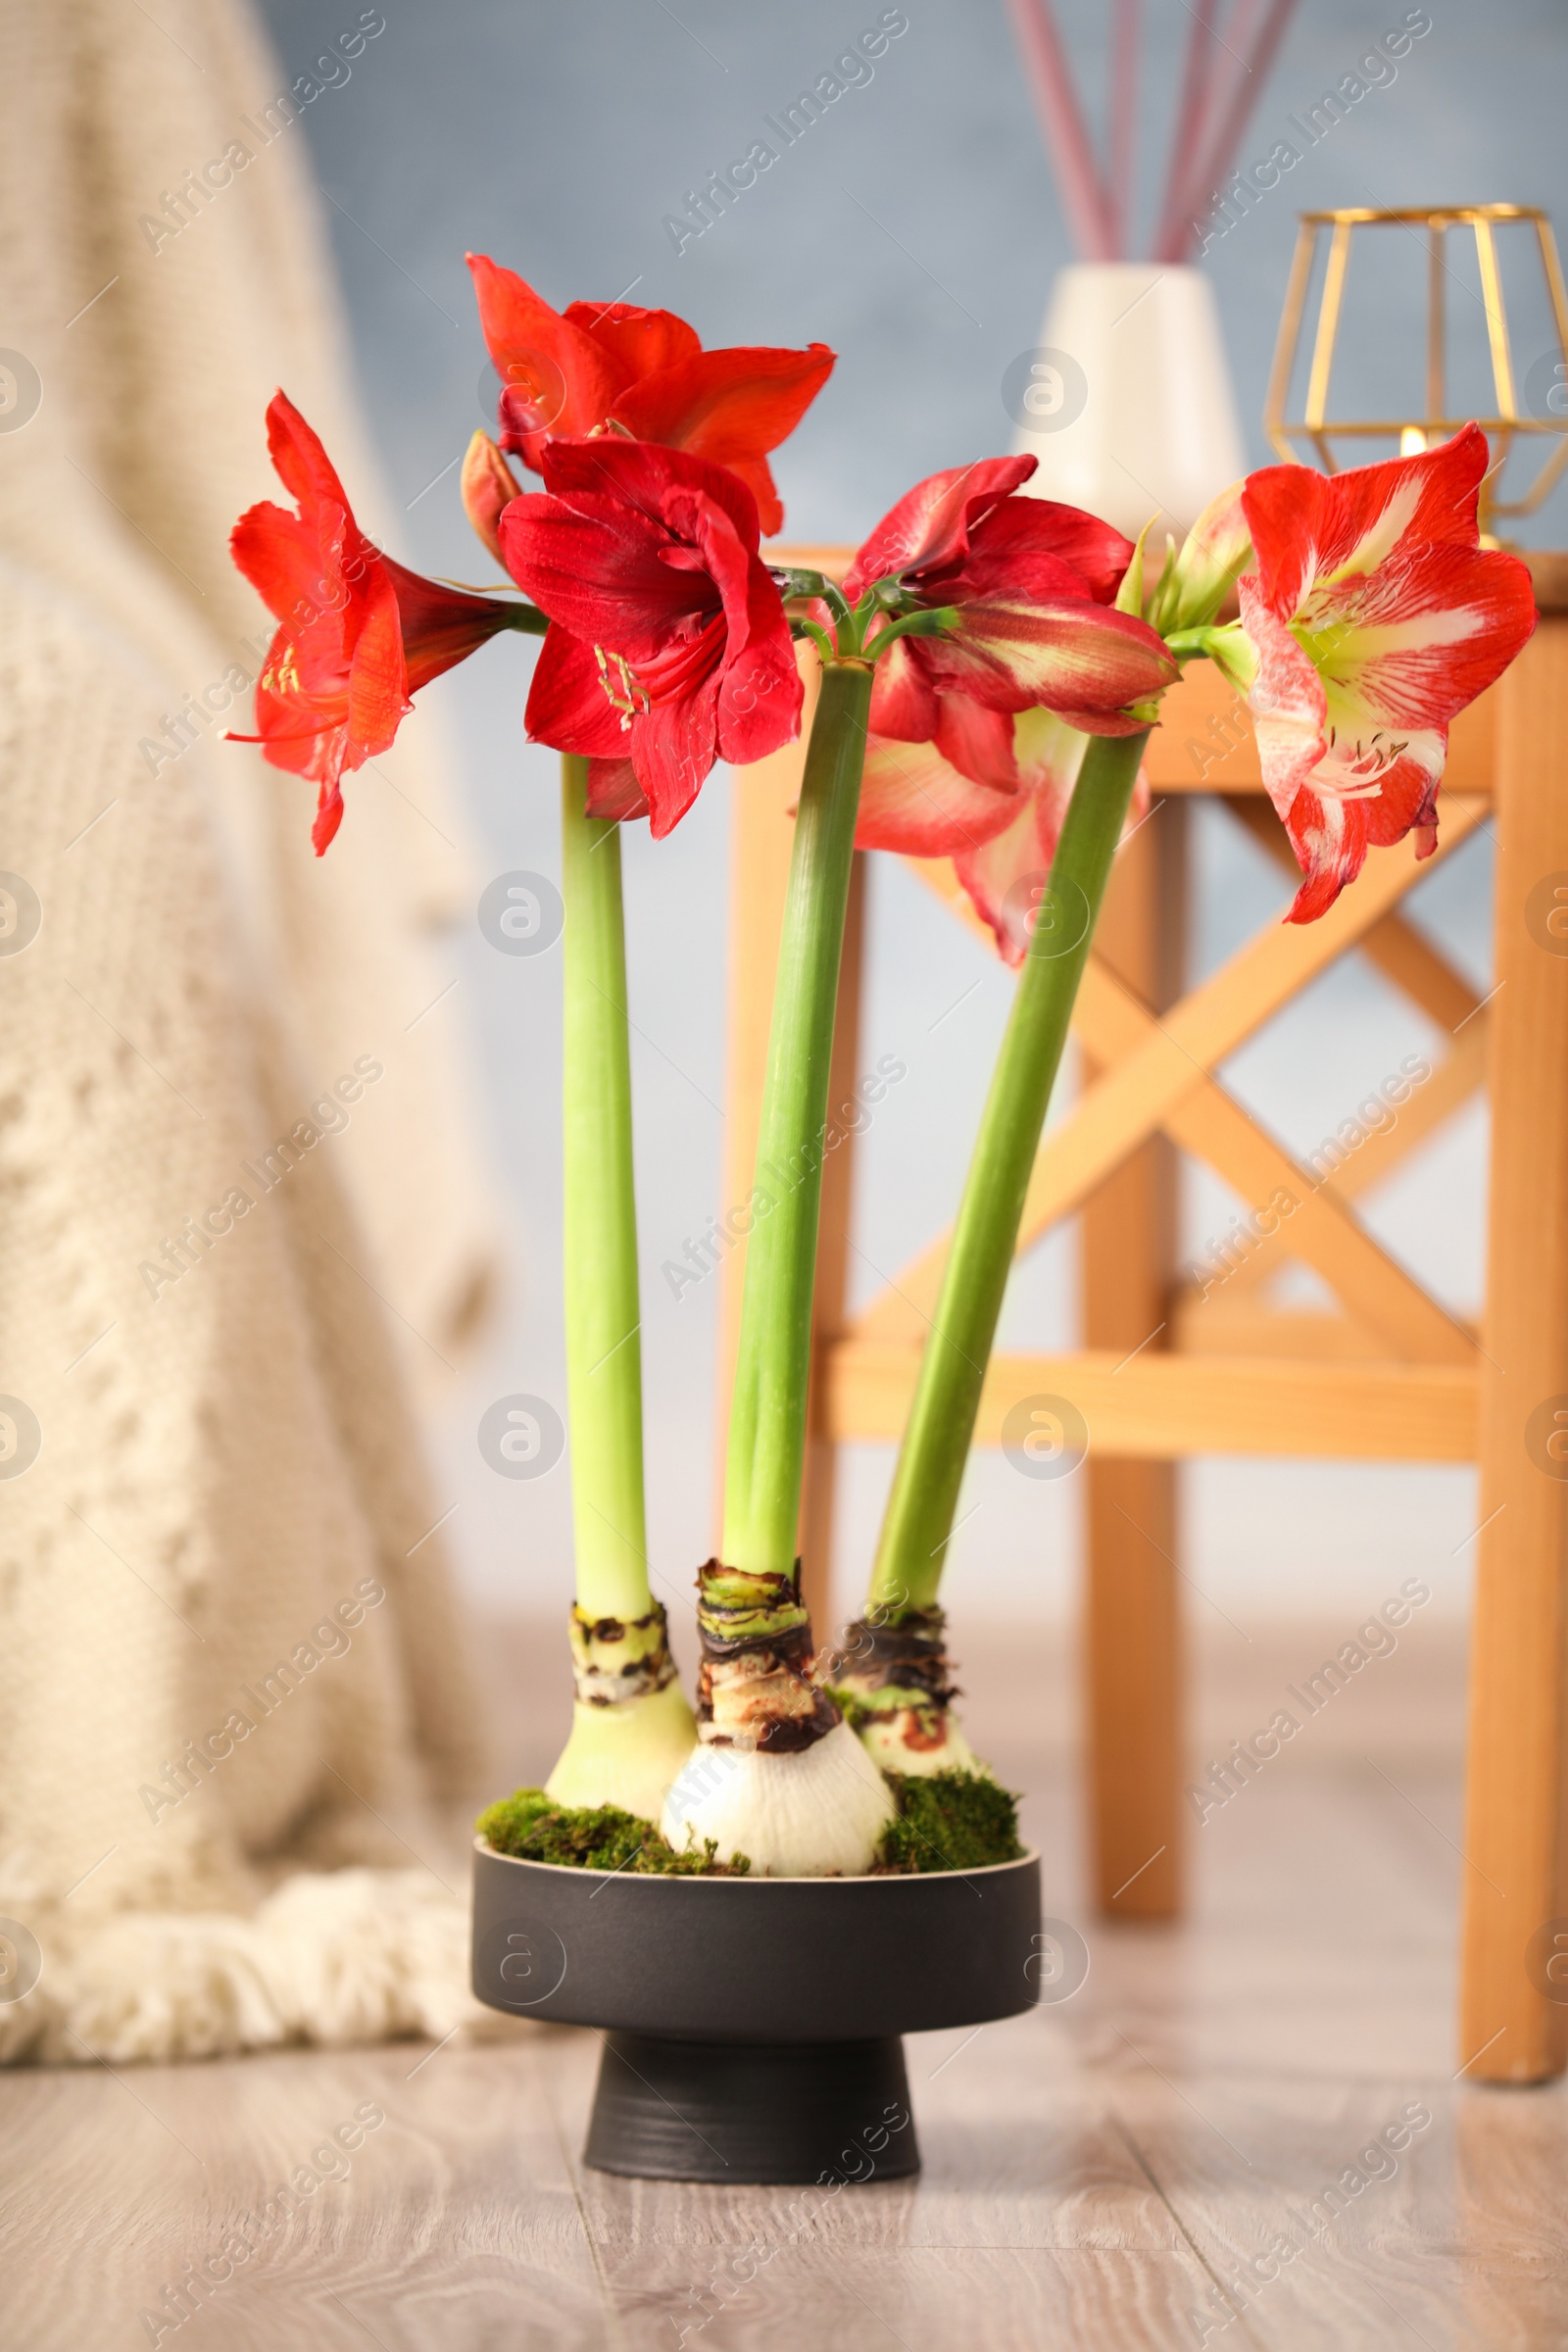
[[1029, 586], [1001, 833], [672, 647], [1372, 619], [358, 633], [644, 375]]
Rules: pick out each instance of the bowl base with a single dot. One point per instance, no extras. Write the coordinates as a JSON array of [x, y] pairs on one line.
[[746, 2113]]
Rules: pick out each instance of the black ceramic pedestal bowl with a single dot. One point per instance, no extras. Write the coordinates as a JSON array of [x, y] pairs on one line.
[[751, 2026]]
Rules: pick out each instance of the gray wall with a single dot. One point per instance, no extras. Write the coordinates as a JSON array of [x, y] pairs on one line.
[[916, 229]]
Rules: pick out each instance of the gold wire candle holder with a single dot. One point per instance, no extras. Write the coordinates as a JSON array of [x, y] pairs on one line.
[[1514, 419]]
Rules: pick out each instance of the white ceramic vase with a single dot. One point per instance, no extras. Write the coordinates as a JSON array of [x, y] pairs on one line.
[[1128, 402]]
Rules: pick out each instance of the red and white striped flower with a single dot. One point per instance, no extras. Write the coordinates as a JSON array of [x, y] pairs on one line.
[[1372, 619]]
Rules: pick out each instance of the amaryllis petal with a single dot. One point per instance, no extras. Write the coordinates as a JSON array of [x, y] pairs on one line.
[[1026, 574], [719, 551], [594, 567], [761, 695], [977, 740], [1034, 547], [1287, 701], [282, 560], [378, 683], [1100, 722], [299, 459], [638, 342], [1408, 800], [930, 524], [568, 704], [556, 377], [1331, 834], [1414, 642], [439, 626], [1309, 529], [758, 476], [1336, 794], [633, 544], [1002, 842], [1340, 809], [1329, 838], [327, 818], [615, 794], [673, 746], [915, 802], [1067, 653], [1007, 876], [642, 476], [725, 406], [903, 702], [1324, 803]]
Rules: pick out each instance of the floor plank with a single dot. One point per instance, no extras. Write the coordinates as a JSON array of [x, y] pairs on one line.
[[1110, 2171]]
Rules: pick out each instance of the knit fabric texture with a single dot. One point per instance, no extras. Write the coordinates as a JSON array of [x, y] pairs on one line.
[[241, 1234]]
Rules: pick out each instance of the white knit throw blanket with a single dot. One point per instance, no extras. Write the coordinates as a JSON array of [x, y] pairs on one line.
[[231, 1678]]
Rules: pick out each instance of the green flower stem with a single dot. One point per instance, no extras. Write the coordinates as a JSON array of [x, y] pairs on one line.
[[767, 1411], [529, 620], [604, 1356], [947, 1399]]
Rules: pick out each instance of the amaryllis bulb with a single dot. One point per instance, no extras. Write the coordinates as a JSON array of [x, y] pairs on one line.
[[625, 1755], [891, 1675], [818, 1812], [900, 1740]]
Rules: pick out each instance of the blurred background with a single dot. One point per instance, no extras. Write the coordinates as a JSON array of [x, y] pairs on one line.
[[918, 230]]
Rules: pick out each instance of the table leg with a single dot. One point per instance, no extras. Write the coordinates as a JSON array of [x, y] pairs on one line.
[[1132, 1633], [1514, 2015]]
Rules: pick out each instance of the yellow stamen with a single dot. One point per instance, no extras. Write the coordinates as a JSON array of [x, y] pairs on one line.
[[633, 699]]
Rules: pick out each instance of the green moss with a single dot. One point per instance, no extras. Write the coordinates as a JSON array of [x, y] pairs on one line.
[[532, 1827], [948, 1821]]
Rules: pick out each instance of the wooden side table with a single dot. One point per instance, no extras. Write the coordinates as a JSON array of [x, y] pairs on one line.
[[1165, 1372]]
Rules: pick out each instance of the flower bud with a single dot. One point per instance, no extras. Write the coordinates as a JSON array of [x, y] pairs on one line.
[[1214, 554], [488, 487]]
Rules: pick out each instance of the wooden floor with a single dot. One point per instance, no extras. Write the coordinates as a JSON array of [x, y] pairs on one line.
[[1101, 2172]]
